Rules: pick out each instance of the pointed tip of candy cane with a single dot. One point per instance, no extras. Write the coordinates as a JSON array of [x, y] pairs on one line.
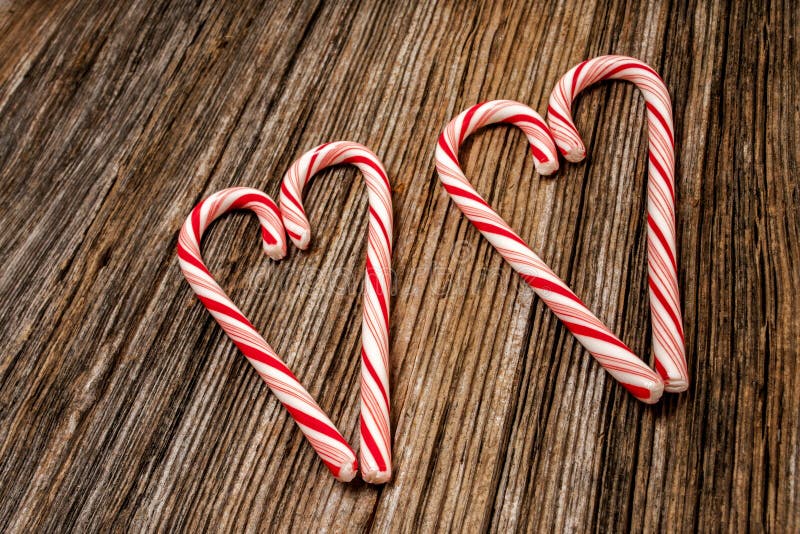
[[347, 471], [375, 476]]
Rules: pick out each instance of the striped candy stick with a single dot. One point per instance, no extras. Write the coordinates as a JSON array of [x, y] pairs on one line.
[[665, 307], [318, 429], [375, 450], [610, 352]]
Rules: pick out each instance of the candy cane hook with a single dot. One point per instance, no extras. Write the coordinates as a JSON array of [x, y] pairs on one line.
[[608, 350], [318, 429], [665, 306], [375, 450]]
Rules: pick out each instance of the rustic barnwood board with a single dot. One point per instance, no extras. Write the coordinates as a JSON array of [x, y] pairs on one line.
[[123, 405]]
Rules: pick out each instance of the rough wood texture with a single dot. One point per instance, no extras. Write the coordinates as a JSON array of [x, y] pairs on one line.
[[124, 406]]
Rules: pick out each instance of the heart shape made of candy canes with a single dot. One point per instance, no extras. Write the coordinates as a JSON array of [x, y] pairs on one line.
[[321, 433], [665, 305], [375, 449], [615, 357]]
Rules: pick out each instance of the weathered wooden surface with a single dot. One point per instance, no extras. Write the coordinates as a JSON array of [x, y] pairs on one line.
[[124, 406]]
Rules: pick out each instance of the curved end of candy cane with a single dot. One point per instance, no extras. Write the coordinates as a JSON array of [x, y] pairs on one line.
[[347, 471], [546, 168], [374, 476], [301, 239], [275, 251], [573, 154], [273, 237], [675, 385], [296, 224], [675, 379], [563, 130], [647, 391]]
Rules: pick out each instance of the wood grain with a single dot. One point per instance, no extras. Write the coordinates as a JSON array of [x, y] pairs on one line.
[[122, 404]]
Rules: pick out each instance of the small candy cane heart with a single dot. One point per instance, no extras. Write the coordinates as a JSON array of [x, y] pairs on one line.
[[375, 451]]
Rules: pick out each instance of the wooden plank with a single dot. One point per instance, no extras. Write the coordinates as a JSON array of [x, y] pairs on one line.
[[122, 404]]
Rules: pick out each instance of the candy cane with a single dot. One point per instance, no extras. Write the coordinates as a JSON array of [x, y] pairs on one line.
[[375, 451], [318, 429], [665, 306], [609, 351]]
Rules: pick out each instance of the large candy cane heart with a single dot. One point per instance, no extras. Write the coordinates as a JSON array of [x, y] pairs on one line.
[[610, 352], [665, 304], [375, 451], [318, 429]]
